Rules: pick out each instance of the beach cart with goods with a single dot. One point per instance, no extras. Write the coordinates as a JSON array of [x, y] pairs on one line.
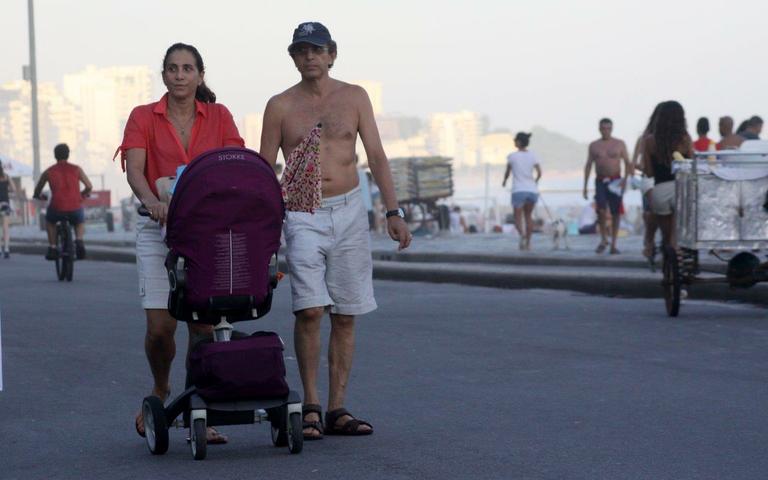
[[420, 182], [721, 208]]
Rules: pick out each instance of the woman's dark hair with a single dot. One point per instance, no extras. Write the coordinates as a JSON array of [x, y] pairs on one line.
[[523, 138], [2, 171], [670, 130], [742, 126], [652, 120], [702, 126], [203, 93]]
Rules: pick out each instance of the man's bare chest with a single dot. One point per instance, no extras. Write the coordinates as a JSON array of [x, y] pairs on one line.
[[607, 153], [339, 121]]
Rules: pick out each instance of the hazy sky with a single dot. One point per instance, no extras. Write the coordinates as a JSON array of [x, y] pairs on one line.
[[561, 64]]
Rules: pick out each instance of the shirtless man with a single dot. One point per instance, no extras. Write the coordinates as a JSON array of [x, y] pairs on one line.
[[607, 154], [729, 140], [328, 251]]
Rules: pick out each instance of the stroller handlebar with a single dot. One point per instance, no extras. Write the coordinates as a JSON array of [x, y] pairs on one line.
[[142, 211]]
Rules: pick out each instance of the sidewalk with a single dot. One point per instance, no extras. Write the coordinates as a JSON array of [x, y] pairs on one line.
[[481, 259]]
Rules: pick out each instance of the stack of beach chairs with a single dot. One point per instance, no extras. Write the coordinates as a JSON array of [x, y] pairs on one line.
[[422, 178]]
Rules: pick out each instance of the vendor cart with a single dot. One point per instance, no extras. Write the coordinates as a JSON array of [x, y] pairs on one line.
[[720, 208], [420, 182]]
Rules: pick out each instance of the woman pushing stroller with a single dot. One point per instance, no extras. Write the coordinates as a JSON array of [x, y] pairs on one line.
[[159, 137]]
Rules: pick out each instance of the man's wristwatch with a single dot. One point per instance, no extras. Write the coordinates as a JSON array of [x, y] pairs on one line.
[[398, 212]]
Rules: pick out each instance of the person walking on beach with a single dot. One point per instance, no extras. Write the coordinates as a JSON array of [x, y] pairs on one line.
[[607, 154], [7, 187], [525, 191], [316, 123]]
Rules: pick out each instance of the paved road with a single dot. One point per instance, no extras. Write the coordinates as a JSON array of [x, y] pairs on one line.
[[460, 382]]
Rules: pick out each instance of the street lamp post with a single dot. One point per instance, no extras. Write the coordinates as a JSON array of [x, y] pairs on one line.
[[33, 82]]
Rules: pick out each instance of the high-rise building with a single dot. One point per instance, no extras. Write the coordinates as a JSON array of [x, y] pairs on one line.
[[415, 146], [374, 90], [250, 130], [106, 97], [59, 122], [89, 114], [494, 147], [457, 135]]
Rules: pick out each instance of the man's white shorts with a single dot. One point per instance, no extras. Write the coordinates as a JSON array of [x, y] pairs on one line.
[[329, 256], [150, 260]]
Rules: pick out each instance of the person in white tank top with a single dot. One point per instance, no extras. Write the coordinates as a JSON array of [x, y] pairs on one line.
[[525, 190]]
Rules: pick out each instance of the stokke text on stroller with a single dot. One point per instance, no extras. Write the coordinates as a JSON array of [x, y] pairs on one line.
[[223, 234]]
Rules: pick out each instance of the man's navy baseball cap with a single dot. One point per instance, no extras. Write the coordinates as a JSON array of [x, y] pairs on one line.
[[314, 33]]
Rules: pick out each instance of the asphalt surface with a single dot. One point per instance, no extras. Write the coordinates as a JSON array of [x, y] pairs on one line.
[[459, 382], [486, 260]]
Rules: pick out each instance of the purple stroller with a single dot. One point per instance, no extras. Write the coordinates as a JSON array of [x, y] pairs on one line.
[[223, 234]]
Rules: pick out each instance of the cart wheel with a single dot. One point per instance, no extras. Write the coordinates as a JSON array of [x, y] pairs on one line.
[[415, 216], [295, 433], [278, 427], [198, 439], [155, 425], [671, 282]]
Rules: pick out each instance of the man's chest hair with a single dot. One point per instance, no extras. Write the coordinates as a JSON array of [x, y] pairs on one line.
[[339, 122]]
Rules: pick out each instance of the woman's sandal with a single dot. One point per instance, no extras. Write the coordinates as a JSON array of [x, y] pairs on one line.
[[139, 423], [316, 425], [351, 427]]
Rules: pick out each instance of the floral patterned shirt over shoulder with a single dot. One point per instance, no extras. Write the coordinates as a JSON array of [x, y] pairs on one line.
[[302, 179]]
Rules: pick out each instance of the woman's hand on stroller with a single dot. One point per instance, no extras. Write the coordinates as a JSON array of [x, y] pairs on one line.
[[158, 211]]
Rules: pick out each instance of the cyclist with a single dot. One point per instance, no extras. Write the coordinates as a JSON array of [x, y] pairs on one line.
[[66, 199]]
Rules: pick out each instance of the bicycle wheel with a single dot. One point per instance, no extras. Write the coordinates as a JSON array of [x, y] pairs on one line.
[[69, 257], [60, 242]]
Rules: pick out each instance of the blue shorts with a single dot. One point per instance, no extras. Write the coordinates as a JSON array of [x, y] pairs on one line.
[[605, 198], [75, 217], [521, 198]]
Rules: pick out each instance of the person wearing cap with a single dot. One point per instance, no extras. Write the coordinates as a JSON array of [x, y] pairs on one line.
[[316, 123], [525, 191], [607, 154]]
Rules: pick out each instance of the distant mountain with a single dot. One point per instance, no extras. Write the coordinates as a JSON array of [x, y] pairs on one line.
[[556, 151]]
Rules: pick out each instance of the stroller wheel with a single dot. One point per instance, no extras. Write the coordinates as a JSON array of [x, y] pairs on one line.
[[155, 425], [295, 433], [198, 439], [278, 427]]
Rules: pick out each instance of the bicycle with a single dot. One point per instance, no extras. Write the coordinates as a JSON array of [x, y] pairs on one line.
[[65, 261]]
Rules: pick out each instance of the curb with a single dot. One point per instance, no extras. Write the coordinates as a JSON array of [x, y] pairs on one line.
[[600, 281]]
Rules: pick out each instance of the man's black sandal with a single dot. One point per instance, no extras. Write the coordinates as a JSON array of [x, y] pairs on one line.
[[315, 425], [351, 427]]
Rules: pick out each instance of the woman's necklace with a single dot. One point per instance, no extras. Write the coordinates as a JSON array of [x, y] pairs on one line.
[[182, 128]]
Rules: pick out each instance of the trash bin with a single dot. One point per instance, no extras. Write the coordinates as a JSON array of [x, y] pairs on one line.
[[109, 218]]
